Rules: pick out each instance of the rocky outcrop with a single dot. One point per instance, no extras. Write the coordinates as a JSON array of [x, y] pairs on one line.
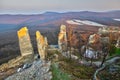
[[62, 38], [90, 53], [94, 39], [95, 44], [42, 45], [25, 42], [111, 32], [104, 31], [39, 70], [90, 50]]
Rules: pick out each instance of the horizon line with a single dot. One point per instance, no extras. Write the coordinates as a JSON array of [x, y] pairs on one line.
[[43, 12]]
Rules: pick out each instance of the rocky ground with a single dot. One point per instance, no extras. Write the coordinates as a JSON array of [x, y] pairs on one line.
[[9, 68], [110, 70], [25, 68], [39, 70]]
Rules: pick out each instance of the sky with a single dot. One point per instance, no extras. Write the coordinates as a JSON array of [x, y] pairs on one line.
[[39, 6]]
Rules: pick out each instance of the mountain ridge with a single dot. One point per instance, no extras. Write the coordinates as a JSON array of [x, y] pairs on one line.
[[55, 12]]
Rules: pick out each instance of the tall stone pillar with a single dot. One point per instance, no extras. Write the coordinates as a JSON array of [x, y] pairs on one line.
[[62, 38], [42, 45], [25, 42]]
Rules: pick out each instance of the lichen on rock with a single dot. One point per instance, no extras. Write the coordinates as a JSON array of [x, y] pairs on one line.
[[42, 45], [24, 42]]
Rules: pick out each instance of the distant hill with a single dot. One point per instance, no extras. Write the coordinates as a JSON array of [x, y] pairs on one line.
[[49, 19]]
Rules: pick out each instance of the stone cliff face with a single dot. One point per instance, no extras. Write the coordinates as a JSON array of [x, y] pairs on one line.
[[62, 38], [42, 45], [25, 42]]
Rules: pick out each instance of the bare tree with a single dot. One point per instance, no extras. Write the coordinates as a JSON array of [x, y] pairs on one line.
[[105, 48]]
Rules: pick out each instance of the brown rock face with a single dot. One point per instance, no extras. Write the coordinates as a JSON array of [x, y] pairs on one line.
[[42, 45], [105, 36], [24, 42], [93, 39], [62, 38]]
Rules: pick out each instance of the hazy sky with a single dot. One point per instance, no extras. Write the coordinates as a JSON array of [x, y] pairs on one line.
[[38, 6]]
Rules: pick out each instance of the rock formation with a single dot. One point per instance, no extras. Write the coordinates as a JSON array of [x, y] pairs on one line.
[[39, 70], [62, 38], [103, 31], [42, 45], [111, 32], [93, 38], [91, 53], [24, 42]]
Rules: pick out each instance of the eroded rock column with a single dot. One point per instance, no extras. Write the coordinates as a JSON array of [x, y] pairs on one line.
[[62, 38], [42, 45], [25, 42]]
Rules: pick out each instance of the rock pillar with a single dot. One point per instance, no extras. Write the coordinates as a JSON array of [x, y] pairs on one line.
[[25, 42], [62, 38], [42, 45]]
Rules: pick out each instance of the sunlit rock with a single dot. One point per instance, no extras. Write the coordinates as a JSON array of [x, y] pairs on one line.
[[25, 42], [62, 38], [94, 41], [42, 45], [93, 38]]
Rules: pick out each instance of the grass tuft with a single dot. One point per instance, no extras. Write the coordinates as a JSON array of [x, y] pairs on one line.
[[58, 74]]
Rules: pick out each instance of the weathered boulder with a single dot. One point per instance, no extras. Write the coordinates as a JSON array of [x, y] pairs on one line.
[[62, 38], [42, 45], [90, 53], [25, 42]]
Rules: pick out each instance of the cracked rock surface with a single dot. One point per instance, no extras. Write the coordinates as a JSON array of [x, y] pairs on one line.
[[38, 71]]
